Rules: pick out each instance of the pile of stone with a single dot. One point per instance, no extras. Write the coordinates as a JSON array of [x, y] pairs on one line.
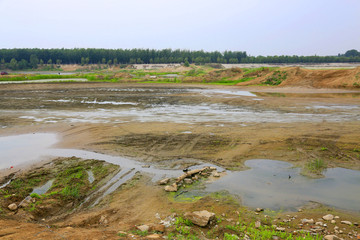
[[188, 178]]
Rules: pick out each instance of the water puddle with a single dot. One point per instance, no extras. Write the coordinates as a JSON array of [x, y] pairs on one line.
[[91, 177], [44, 188], [20, 149], [277, 185], [267, 184], [214, 92]]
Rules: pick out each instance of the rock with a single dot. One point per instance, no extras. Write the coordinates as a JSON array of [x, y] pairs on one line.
[[171, 188], [157, 228], [259, 210], [200, 218], [188, 181], [145, 166], [164, 181], [346, 222], [331, 237], [246, 237], [356, 224], [12, 207], [281, 229], [103, 220], [257, 224], [143, 228], [319, 223], [195, 177], [309, 221], [300, 210], [333, 221], [212, 168], [153, 236], [216, 174], [328, 217], [336, 217]]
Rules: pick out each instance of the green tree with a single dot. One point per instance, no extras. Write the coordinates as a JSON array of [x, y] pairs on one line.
[[34, 61], [186, 63], [13, 64]]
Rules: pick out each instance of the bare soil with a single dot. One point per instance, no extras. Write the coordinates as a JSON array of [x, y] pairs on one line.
[[229, 146]]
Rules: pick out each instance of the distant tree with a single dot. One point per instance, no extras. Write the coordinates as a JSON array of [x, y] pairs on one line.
[[58, 61], [186, 63], [82, 61], [23, 64], [34, 61], [41, 62], [109, 62], [115, 61], [13, 64], [87, 60], [50, 61], [103, 60], [352, 53]]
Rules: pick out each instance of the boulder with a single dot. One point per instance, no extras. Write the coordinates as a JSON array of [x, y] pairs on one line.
[[12, 207], [164, 181], [153, 236], [188, 181], [157, 228], [331, 237], [216, 174], [259, 210], [143, 228], [328, 217], [346, 222], [171, 188], [200, 218], [309, 221]]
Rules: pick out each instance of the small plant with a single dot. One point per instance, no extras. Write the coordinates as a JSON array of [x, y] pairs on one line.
[[35, 195], [140, 233], [324, 149], [276, 78], [228, 236], [316, 165]]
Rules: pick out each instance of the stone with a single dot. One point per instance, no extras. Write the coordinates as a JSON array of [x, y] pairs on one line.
[[157, 228], [145, 166], [212, 168], [257, 224], [346, 222], [164, 181], [319, 223], [195, 177], [200, 218], [333, 221], [309, 221], [12, 207], [331, 237], [216, 174], [336, 217], [171, 188], [143, 228], [153, 236], [259, 210], [281, 229], [188, 181], [328, 217], [103, 220]]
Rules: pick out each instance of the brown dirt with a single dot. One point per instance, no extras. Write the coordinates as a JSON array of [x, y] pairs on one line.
[[156, 142], [299, 77]]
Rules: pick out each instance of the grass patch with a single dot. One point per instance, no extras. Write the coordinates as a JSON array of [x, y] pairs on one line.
[[316, 166], [276, 78]]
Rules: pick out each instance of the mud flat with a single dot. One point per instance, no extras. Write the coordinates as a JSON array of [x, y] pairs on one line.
[[154, 131]]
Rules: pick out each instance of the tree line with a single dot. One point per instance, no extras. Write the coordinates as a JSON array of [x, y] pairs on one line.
[[22, 58]]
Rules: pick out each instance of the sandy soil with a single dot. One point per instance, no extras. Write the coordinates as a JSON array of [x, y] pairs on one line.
[[229, 146]]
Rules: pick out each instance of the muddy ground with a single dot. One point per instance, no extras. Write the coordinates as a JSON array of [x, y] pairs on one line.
[[222, 142]]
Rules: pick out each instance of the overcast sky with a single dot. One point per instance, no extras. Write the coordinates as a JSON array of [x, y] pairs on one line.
[[259, 27]]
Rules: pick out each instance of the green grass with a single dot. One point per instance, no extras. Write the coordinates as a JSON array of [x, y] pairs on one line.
[[316, 166]]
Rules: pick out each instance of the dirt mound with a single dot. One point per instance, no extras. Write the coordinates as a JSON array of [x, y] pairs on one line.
[[296, 76]]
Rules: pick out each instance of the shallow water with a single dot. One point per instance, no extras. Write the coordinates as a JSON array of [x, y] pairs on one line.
[[19, 149], [267, 185], [44, 188]]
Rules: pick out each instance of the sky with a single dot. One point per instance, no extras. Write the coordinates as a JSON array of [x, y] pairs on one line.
[[259, 27]]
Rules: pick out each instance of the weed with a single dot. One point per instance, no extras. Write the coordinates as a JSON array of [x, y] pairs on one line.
[[228, 236], [276, 78], [316, 165], [35, 195], [324, 149], [122, 234], [70, 192], [140, 233]]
